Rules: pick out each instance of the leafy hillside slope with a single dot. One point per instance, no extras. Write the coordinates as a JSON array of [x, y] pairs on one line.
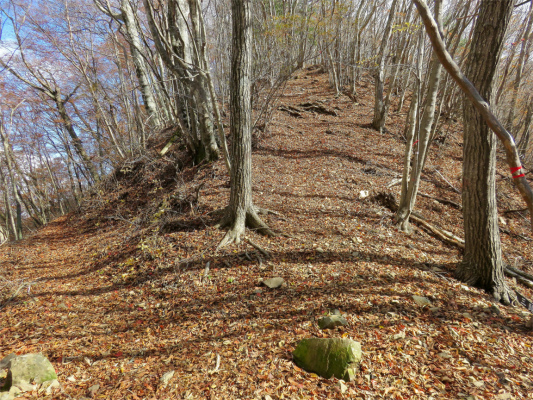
[[132, 286]]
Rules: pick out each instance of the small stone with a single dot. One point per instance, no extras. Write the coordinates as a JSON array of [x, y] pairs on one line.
[[444, 355], [320, 249], [5, 361], [273, 283], [421, 301], [363, 194], [399, 336], [50, 385], [343, 388], [478, 383], [495, 309], [93, 389], [167, 377], [504, 396], [331, 321], [467, 316]]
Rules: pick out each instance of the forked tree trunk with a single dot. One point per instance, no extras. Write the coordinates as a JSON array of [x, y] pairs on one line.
[[240, 212], [424, 137]]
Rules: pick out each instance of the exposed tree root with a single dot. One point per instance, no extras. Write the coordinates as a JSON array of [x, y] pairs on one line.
[[263, 251], [237, 227], [266, 211], [504, 294], [501, 292], [520, 272]]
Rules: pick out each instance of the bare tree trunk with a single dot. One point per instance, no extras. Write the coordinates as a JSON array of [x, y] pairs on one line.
[[524, 138], [378, 123], [524, 55], [424, 136], [9, 210], [482, 262], [511, 151], [410, 128], [241, 212]]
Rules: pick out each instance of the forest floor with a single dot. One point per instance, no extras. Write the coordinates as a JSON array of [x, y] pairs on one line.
[[118, 294]]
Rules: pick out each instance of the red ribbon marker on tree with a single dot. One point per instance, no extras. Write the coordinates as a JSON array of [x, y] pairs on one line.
[[516, 169]]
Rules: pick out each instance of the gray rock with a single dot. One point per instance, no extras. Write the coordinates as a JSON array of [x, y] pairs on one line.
[[331, 321], [421, 301], [5, 361], [167, 377], [25, 372], [329, 357], [273, 283], [342, 387]]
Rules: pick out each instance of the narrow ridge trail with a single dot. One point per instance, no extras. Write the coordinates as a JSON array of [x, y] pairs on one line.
[[115, 304]]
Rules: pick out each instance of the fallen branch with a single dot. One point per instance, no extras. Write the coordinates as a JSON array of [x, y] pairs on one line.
[[441, 233], [446, 180], [318, 108], [443, 201], [292, 111], [515, 234], [520, 272], [518, 278], [513, 211]]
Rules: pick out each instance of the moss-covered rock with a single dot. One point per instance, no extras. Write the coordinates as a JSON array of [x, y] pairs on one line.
[[329, 357], [26, 371]]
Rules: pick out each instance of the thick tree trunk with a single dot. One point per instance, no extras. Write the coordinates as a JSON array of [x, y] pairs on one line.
[[241, 212], [482, 261]]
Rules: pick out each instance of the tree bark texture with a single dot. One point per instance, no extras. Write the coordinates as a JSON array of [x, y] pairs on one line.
[[241, 212], [482, 261], [511, 151], [143, 75]]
